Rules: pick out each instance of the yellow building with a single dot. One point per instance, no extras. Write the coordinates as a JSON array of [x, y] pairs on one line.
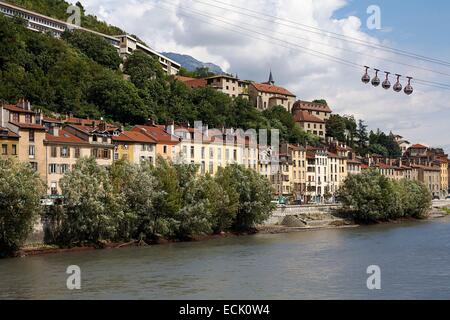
[[135, 147], [9, 142], [210, 149], [27, 124], [229, 85], [62, 151], [267, 95], [166, 144]]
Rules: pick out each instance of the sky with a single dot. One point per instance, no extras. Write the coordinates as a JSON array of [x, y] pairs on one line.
[[416, 26]]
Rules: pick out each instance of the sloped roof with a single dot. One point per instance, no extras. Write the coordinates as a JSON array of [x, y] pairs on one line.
[[263, 87], [64, 137], [5, 132], [304, 116], [134, 136], [158, 134], [311, 106]]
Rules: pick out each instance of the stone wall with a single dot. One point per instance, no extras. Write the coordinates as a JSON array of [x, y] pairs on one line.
[[315, 212]]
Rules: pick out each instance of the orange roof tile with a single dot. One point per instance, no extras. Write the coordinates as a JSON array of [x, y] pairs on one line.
[[263, 87], [17, 109], [311, 106], [6, 133], [134, 136], [418, 146], [64, 137], [32, 126], [304, 116], [157, 133]]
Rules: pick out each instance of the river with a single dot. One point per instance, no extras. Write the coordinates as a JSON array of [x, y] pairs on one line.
[[328, 264]]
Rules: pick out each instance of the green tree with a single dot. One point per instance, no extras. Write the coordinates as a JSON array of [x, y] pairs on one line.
[[368, 196], [92, 210], [20, 192], [254, 194], [168, 202], [143, 69], [95, 47]]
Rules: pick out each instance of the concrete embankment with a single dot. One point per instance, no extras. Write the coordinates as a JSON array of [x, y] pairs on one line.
[[306, 217]]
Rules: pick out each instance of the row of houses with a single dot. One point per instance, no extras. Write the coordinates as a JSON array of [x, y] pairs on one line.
[[52, 147]]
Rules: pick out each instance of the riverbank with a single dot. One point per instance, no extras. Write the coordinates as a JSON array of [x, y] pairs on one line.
[[326, 224]]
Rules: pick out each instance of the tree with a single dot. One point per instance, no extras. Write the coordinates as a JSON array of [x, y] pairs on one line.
[[362, 138], [20, 192], [371, 197], [253, 193], [95, 47], [142, 69], [92, 210], [368, 196], [416, 199], [168, 202]]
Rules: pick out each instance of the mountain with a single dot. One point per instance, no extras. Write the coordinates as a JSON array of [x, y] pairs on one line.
[[191, 64]]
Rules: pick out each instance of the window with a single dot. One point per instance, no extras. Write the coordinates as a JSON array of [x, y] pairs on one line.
[[31, 152], [211, 153], [31, 135], [65, 152], [14, 150], [53, 168], [77, 153], [94, 153], [54, 152], [54, 188], [192, 152], [203, 152], [203, 167], [211, 167], [64, 168], [165, 149], [106, 154], [4, 149], [28, 118], [15, 117]]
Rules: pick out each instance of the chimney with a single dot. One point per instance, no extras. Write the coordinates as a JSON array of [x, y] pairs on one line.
[[55, 130], [171, 127], [206, 131], [102, 126]]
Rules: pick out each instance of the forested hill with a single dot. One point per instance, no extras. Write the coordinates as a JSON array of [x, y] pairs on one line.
[[80, 74], [58, 9]]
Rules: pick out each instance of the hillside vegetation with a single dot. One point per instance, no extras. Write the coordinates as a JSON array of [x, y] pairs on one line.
[[80, 74]]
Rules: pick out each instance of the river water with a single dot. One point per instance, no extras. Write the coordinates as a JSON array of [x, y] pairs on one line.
[[328, 264]]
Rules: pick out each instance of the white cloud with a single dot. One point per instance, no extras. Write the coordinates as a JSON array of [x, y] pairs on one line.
[[163, 24]]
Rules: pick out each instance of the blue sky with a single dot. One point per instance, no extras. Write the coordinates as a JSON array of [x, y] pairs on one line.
[[419, 26]]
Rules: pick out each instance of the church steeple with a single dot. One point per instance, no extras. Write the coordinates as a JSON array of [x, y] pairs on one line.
[[271, 81]]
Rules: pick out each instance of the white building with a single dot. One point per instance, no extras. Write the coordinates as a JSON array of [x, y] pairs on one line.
[[123, 43]]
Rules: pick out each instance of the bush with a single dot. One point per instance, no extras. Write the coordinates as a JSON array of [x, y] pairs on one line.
[[20, 193], [371, 197]]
